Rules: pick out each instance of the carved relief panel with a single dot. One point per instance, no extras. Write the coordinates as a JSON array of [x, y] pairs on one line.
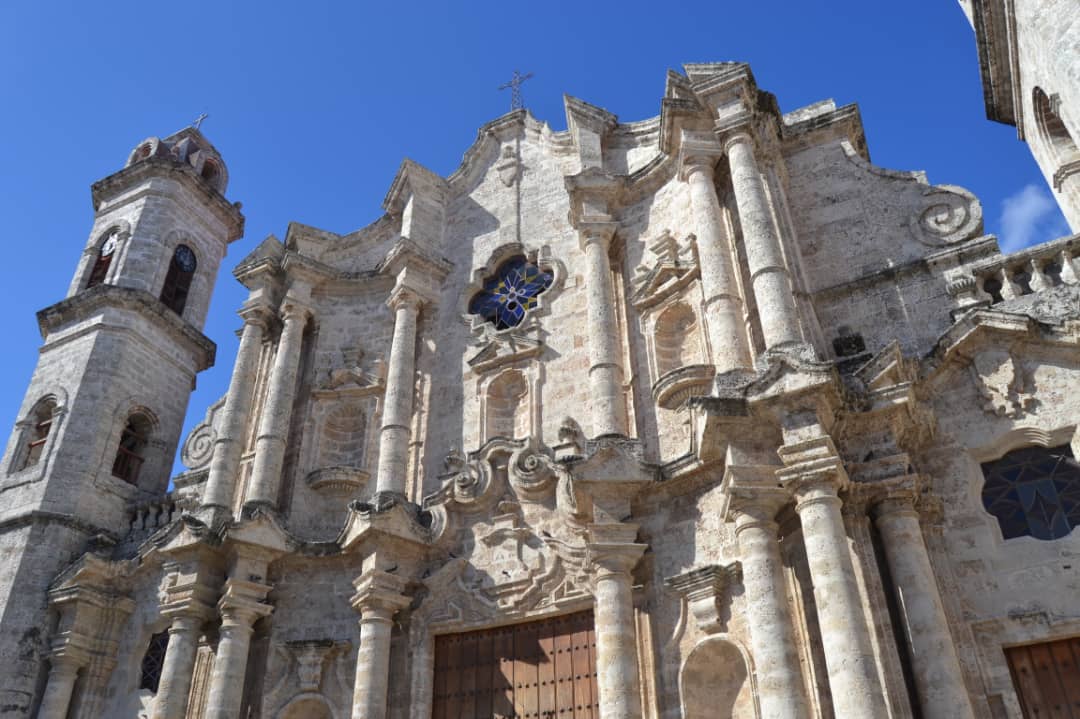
[[345, 411]]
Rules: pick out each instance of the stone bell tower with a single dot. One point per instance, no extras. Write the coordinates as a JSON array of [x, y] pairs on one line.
[[101, 420]]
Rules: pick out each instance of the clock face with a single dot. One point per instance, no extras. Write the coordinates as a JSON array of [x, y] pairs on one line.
[[109, 246], [185, 258]]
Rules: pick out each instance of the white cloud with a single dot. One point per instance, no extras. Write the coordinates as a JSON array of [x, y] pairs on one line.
[[1028, 217]]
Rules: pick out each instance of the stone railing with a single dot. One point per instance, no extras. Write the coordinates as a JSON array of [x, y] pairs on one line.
[[1005, 277], [148, 517]]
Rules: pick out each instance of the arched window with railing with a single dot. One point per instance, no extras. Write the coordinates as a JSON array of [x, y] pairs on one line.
[[131, 452], [35, 433], [105, 254], [178, 279]]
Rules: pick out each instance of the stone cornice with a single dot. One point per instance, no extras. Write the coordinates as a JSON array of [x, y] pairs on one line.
[[228, 213], [994, 22], [82, 305], [414, 178], [407, 254]]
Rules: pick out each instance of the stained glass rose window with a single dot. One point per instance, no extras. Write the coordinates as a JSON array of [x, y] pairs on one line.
[[1034, 491], [510, 293]]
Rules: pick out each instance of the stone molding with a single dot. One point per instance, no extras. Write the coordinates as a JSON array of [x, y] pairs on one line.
[[707, 592]]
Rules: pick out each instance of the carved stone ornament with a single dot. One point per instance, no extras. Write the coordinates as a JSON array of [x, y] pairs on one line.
[[199, 446], [508, 517], [1003, 382], [676, 267], [509, 165], [950, 214], [309, 668]]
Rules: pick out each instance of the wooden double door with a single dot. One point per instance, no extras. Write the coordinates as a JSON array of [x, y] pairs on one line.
[[1047, 678], [540, 670]]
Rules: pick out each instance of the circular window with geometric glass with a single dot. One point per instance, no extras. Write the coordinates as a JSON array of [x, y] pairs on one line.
[[1034, 492], [510, 292]]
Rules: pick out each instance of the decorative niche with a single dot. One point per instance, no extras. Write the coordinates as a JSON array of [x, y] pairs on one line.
[[504, 307], [667, 297], [344, 415]]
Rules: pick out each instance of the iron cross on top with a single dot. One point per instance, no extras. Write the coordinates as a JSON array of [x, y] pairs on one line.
[[515, 89]]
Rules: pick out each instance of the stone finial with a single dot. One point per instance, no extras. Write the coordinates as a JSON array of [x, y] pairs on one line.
[[665, 247], [707, 592], [571, 440]]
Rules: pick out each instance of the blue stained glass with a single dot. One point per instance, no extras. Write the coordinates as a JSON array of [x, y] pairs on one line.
[[511, 293], [1034, 491]]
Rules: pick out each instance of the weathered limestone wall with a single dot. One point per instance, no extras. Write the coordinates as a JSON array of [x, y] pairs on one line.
[[1048, 41]]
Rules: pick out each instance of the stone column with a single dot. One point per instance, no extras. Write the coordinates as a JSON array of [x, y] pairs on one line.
[[277, 412], [225, 463], [378, 597], [400, 387], [769, 274], [938, 677], [849, 654], [63, 671], [723, 303], [605, 356], [238, 616], [617, 679], [772, 628], [176, 671]]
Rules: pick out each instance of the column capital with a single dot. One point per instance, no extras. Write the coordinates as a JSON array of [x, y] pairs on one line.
[[294, 310], [753, 496], [379, 594], [734, 130], [614, 559], [67, 660], [704, 163], [241, 604], [260, 314], [189, 611], [898, 497], [596, 232], [403, 296]]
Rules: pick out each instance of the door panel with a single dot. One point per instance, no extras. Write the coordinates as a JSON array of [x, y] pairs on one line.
[[535, 670], [1047, 678]]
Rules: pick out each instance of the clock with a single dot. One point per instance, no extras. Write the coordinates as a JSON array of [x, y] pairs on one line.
[[184, 258], [109, 246]]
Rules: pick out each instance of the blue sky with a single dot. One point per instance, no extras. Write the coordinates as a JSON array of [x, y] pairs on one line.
[[314, 105]]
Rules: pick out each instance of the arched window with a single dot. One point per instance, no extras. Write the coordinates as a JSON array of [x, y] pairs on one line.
[[1034, 491], [131, 453], [510, 293], [210, 171], [152, 662], [104, 259], [1061, 145], [178, 281], [37, 433]]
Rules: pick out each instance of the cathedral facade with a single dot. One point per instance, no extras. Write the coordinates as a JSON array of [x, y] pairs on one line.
[[704, 415]]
